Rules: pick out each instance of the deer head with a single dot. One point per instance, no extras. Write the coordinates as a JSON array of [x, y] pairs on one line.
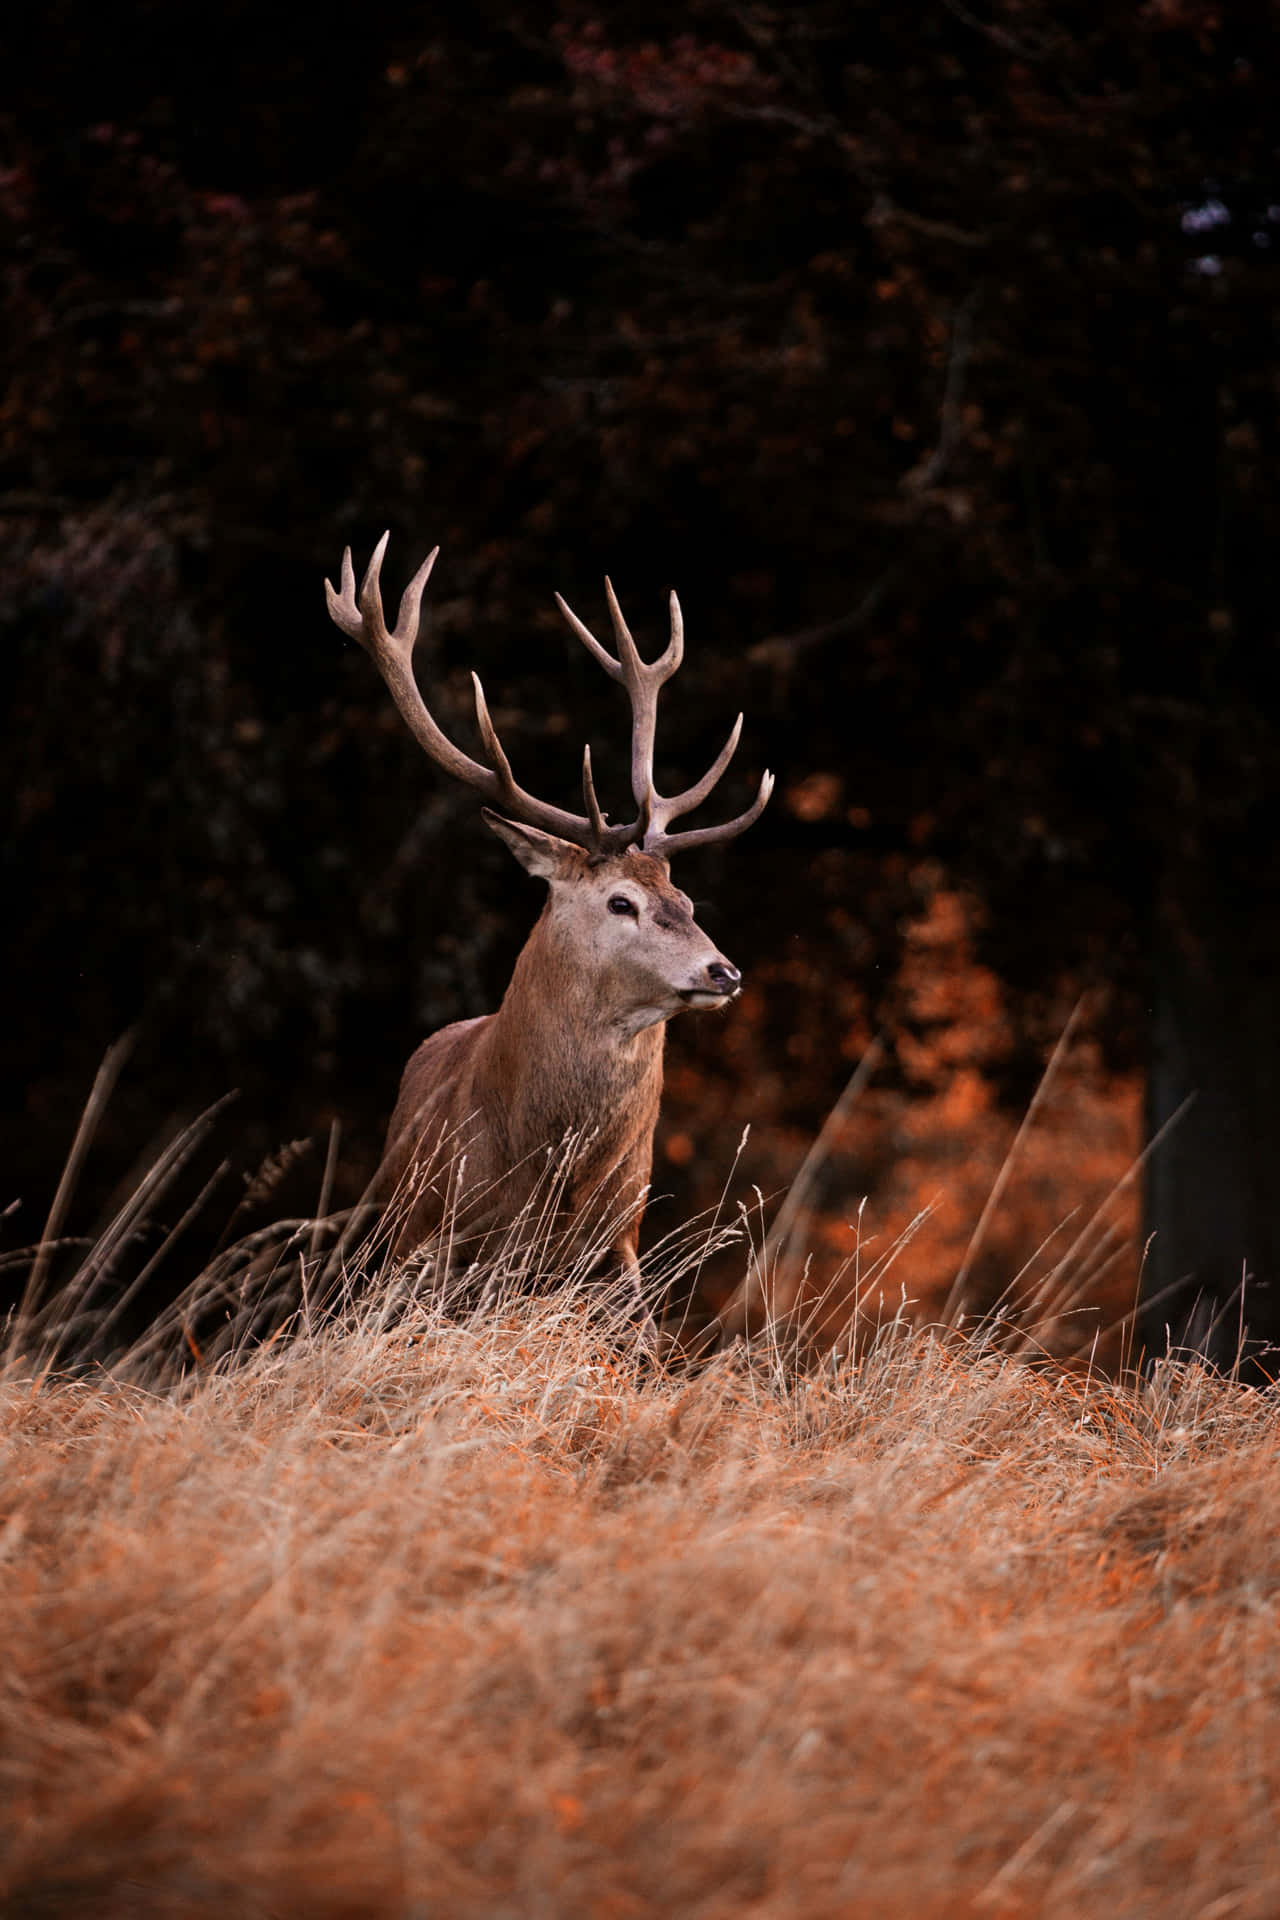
[[615, 926], [612, 906]]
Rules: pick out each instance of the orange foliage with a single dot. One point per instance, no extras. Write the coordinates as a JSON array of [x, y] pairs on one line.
[[931, 1135]]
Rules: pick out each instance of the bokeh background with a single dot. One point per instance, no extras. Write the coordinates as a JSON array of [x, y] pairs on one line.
[[930, 353]]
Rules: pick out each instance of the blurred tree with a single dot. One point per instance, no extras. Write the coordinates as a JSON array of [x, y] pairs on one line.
[[938, 345]]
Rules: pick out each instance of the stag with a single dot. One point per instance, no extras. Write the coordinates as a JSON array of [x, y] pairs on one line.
[[572, 1059]]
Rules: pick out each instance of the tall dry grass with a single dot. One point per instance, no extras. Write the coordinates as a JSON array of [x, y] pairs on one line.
[[485, 1614]]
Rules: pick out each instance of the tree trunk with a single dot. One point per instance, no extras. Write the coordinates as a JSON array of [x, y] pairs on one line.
[[1212, 1275]]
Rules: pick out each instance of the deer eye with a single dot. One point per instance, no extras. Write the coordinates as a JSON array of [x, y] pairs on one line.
[[619, 903]]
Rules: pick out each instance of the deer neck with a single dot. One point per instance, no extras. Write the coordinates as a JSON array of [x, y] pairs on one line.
[[566, 1039]]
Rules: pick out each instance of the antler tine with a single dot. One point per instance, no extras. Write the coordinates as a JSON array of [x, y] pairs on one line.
[[594, 814], [675, 646], [489, 734], [665, 844], [343, 610], [628, 652], [370, 600], [694, 796], [407, 619], [611, 666]]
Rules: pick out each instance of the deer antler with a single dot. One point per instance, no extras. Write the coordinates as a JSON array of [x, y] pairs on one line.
[[363, 619], [643, 681], [392, 653]]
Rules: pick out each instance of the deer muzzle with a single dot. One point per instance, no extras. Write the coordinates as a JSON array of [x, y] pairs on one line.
[[721, 983]]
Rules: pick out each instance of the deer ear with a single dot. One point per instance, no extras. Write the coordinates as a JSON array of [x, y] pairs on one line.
[[539, 853]]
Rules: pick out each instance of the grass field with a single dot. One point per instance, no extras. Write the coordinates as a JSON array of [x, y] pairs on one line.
[[488, 1618]]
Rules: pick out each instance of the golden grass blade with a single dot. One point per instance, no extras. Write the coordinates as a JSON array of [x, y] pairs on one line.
[[99, 1094]]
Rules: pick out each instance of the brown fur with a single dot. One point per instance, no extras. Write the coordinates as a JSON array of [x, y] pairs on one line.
[[574, 1054]]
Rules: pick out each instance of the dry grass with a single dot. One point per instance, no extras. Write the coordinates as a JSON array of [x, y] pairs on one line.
[[486, 1618]]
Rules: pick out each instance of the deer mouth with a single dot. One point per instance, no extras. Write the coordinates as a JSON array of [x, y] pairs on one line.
[[706, 997]]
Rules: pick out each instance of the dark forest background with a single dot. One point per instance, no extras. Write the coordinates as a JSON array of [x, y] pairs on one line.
[[930, 353]]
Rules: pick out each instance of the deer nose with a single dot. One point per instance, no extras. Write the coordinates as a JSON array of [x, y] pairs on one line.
[[724, 977]]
